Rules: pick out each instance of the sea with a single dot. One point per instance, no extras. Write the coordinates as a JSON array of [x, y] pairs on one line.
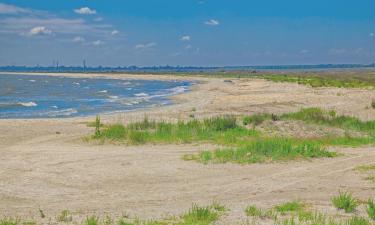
[[39, 96]]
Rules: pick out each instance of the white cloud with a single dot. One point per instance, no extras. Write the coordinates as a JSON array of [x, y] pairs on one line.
[[85, 11], [115, 32], [76, 27], [185, 38], [304, 51], [145, 46], [78, 39], [11, 9], [187, 47], [97, 42], [39, 31], [212, 22], [372, 34]]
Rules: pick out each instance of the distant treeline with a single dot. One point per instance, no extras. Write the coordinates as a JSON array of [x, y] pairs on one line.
[[176, 69]]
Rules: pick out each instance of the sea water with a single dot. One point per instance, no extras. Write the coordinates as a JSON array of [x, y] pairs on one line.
[[35, 96]]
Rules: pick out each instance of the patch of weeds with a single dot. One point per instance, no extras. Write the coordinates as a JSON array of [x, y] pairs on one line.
[[123, 222], [254, 211], [269, 149], [293, 206], [200, 216], [219, 207], [358, 221], [366, 168], [29, 223], [256, 119], [65, 216], [345, 201], [371, 209], [373, 103], [9, 221], [92, 220]]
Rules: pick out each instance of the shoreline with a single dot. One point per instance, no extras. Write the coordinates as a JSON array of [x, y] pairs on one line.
[[194, 86]]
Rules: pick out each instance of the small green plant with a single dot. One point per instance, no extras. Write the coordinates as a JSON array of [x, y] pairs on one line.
[[371, 209], [65, 216], [345, 201], [97, 126], [258, 119], [292, 206], [9, 221], [200, 216], [252, 210], [373, 103], [123, 222], [92, 220], [358, 221]]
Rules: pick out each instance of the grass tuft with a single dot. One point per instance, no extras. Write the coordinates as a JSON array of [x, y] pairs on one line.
[[268, 149], [200, 216], [65, 216], [254, 211], [345, 201], [293, 206], [371, 209], [92, 220]]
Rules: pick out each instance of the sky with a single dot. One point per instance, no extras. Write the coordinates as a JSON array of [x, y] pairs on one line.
[[186, 32]]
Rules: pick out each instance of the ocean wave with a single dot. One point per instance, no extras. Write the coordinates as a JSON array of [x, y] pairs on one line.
[[28, 104], [103, 91], [17, 104], [142, 94], [58, 113]]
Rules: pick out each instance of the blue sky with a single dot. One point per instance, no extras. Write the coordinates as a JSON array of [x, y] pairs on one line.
[[186, 32]]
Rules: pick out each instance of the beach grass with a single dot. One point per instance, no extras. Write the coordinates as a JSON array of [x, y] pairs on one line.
[[345, 201], [265, 150], [321, 81], [220, 130]]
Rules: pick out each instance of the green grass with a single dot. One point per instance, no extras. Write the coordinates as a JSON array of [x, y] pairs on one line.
[[65, 216], [252, 210], [366, 168], [345, 201], [9, 221], [371, 209], [358, 221], [319, 81], [319, 116], [92, 220], [293, 206], [263, 150], [199, 216], [221, 130]]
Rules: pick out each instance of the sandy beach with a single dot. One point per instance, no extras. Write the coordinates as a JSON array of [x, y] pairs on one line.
[[46, 163]]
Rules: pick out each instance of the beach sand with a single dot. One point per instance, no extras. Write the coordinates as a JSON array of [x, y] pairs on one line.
[[46, 163]]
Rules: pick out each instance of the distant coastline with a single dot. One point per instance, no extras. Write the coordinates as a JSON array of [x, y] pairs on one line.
[[182, 69]]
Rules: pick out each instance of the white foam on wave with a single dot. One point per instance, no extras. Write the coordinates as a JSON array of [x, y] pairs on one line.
[[113, 97], [103, 91], [76, 83], [28, 104], [141, 94], [56, 113], [32, 80]]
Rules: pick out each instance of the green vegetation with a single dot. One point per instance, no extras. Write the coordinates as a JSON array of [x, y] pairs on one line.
[[200, 216], [321, 81], [263, 150], [366, 168], [65, 216], [358, 221], [92, 220], [221, 130], [9, 221], [252, 210], [293, 206], [371, 209], [318, 116], [345, 201], [97, 126]]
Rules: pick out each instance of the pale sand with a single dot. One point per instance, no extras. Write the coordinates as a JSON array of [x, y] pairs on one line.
[[46, 164]]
